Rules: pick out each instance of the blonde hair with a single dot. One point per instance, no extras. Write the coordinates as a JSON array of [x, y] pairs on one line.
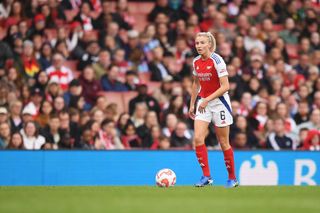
[[211, 39]]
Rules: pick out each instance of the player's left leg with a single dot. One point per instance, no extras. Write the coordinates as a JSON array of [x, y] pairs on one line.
[[223, 138]]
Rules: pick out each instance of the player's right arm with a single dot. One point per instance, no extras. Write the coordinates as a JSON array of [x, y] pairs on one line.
[[194, 93]]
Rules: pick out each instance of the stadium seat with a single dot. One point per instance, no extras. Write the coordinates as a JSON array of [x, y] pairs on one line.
[[141, 7], [144, 77], [277, 27], [152, 85], [114, 97]]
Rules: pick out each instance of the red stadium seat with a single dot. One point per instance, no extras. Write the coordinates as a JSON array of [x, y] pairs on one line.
[[141, 7], [114, 97], [144, 77], [277, 27], [152, 85]]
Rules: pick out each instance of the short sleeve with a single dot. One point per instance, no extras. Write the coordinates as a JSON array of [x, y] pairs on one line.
[[220, 65], [194, 72]]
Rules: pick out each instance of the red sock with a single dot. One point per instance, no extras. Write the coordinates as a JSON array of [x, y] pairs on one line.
[[202, 155], [229, 161]]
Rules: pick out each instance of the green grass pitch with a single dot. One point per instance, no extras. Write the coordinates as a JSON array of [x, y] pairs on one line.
[[109, 199]]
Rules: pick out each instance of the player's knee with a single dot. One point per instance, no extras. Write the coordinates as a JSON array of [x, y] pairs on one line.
[[224, 143], [198, 140]]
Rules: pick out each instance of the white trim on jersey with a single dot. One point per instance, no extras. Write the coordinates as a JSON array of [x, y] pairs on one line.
[[194, 72], [219, 64]]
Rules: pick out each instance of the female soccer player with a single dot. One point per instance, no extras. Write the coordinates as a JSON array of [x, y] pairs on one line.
[[211, 83]]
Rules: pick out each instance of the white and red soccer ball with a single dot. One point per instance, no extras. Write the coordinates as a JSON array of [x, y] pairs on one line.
[[166, 178]]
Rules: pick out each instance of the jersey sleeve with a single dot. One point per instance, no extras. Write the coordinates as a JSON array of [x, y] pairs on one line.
[[220, 65], [194, 72]]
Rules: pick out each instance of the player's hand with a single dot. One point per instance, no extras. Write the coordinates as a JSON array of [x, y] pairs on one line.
[[191, 112], [202, 106]]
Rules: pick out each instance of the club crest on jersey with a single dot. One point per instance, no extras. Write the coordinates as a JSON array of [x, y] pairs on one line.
[[208, 67], [197, 67]]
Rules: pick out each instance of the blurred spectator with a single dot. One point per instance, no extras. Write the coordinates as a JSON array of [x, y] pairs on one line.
[[31, 137], [122, 9], [241, 126], [177, 107], [108, 136], [156, 136], [314, 122], [181, 137], [3, 114], [59, 73], [90, 85], [252, 40], [102, 64], [131, 80], [28, 64], [158, 70], [278, 139], [129, 137], [303, 113], [144, 131], [87, 140], [44, 113], [163, 94], [143, 96], [42, 81], [312, 142], [16, 141], [15, 116], [16, 13], [52, 132], [73, 94], [70, 128], [161, 6], [240, 141], [267, 11], [289, 33], [139, 114], [110, 82], [90, 56], [84, 16], [5, 135], [164, 143], [120, 61]]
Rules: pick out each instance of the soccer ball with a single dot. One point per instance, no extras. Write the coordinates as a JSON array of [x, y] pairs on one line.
[[165, 178]]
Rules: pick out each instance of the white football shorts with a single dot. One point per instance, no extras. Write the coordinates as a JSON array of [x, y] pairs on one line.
[[218, 111]]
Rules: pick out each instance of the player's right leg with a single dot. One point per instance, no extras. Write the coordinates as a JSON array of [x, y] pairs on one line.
[[200, 132]]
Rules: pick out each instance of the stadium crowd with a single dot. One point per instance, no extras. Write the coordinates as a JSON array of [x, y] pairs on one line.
[[92, 75]]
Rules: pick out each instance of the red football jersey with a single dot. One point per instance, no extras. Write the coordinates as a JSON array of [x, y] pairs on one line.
[[208, 72]]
